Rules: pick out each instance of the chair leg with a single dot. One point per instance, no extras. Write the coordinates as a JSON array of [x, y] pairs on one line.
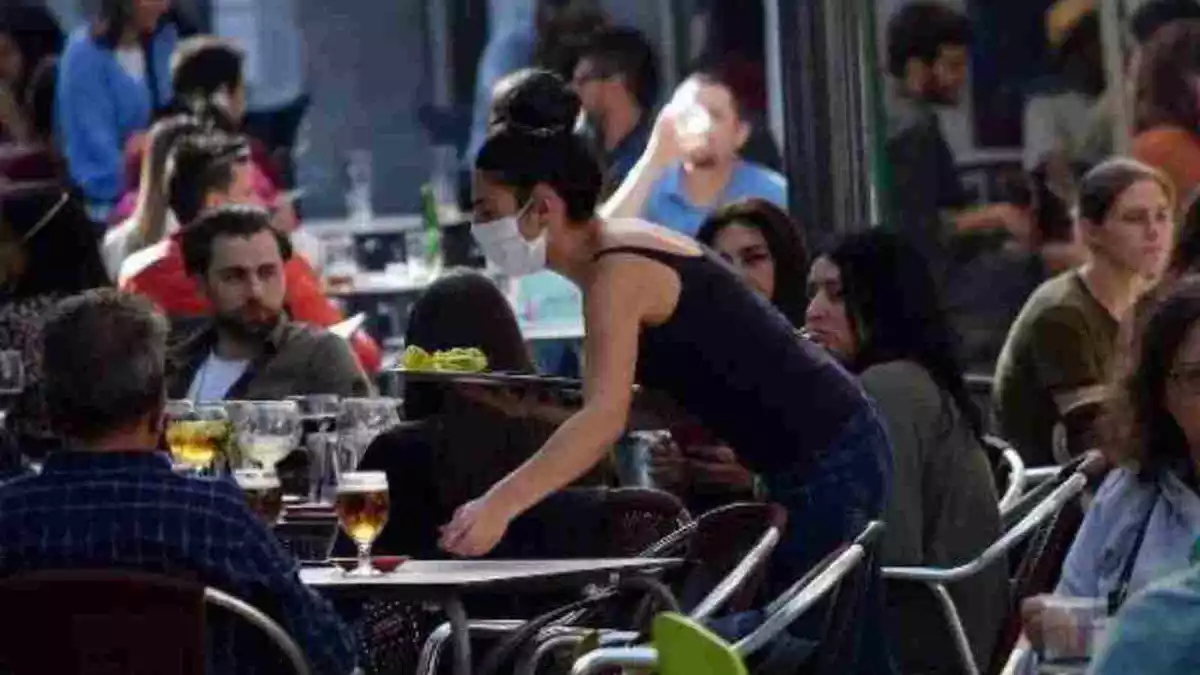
[[962, 644]]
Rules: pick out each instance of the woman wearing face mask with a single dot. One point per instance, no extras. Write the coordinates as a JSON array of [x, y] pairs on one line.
[[875, 307], [662, 312]]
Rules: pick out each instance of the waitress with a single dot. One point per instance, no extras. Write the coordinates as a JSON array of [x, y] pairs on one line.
[[662, 311]]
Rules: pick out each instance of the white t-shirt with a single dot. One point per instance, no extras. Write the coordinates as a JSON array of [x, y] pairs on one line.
[[214, 378], [132, 61], [117, 247]]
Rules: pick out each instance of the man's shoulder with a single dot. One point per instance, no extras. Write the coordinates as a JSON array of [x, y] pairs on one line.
[[765, 182]]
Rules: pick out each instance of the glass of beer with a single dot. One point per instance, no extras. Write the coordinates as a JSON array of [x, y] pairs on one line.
[[268, 431], [196, 436], [362, 510], [264, 495]]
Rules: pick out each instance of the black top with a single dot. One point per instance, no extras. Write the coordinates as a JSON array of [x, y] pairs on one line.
[[736, 364]]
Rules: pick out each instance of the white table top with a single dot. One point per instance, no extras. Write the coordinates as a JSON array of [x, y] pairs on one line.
[[466, 575]]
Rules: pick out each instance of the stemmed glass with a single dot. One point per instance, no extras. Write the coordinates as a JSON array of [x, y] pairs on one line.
[[267, 431], [318, 415], [362, 510], [359, 421], [196, 434]]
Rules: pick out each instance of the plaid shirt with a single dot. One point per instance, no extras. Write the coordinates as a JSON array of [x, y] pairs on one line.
[[129, 510]]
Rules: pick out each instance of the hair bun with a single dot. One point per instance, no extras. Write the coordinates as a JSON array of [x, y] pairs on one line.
[[535, 103]]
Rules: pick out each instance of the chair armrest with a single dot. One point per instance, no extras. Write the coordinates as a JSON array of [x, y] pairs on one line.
[[615, 657]]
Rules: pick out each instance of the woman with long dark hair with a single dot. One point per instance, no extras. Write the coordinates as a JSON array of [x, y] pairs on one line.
[[113, 76], [1145, 517], [450, 448], [764, 244], [661, 311], [875, 306]]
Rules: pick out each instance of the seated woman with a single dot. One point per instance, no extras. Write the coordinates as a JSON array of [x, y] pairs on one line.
[[461, 447], [763, 244], [1145, 518], [1061, 347], [875, 307]]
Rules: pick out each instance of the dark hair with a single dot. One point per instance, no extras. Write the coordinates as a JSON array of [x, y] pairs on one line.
[[719, 76], [61, 257], [1163, 89], [919, 30], [463, 308], [231, 220], [1148, 434], [37, 35], [532, 140], [1185, 256], [201, 66], [784, 241], [564, 28], [1151, 16], [103, 366], [1104, 184], [39, 97], [115, 16], [201, 164], [626, 52], [894, 306]]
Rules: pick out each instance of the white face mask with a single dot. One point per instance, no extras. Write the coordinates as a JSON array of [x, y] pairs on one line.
[[503, 244]]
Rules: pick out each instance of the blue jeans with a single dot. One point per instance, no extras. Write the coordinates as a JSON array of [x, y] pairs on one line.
[[830, 501]]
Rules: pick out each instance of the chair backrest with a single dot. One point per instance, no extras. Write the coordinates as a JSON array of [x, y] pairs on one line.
[[843, 576], [1014, 468], [258, 620], [727, 557], [101, 622], [686, 648], [636, 518], [1046, 548]]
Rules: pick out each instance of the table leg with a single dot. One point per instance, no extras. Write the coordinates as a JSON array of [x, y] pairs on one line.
[[460, 634]]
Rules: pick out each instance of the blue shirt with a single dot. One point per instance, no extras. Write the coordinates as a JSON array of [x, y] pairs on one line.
[[98, 106], [1106, 537], [628, 151], [1156, 633], [129, 510], [668, 206]]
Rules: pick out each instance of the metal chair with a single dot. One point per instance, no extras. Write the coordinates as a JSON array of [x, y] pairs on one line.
[[822, 581], [627, 522], [1011, 459], [936, 580], [118, 621], [728, 552]]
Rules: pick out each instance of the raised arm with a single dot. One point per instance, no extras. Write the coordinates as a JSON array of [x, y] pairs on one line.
[[613, 309], [150, 213], [662, 152]]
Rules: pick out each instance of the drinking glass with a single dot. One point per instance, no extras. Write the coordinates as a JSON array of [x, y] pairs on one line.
[[268, 432], [264, 494], [359, 421], [197, 434], [362, 509], [318, 417], [12, 372]]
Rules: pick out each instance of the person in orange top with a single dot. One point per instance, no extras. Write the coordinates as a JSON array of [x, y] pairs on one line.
[[211, 170], [1167, 106]]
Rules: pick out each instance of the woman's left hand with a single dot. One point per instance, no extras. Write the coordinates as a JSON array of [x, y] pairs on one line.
[[475, 529]]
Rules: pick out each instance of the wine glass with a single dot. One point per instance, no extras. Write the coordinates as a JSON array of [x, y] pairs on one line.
[[12, 372], [362, 509], [267, 431], [196, 434], [318, 415], [359, 421]]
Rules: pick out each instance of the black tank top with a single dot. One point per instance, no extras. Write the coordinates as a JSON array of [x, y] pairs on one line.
[[735, 363]]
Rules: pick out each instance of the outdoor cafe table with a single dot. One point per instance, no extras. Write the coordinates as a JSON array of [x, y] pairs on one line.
[[445, 582]]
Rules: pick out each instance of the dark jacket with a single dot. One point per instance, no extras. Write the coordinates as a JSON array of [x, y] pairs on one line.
[[297, 359]]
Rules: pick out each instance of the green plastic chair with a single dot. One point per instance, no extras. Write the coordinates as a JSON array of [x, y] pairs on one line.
[[686, 648]]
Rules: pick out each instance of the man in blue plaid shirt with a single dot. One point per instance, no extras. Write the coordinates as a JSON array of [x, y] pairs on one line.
[[112, 501]]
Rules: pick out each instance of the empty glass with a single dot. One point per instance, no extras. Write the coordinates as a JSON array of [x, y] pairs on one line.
[[267, 431], [360, 420], [12, 371], [318, 415]]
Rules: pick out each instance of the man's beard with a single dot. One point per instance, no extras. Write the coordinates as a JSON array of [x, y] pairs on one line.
[[249, 324]]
